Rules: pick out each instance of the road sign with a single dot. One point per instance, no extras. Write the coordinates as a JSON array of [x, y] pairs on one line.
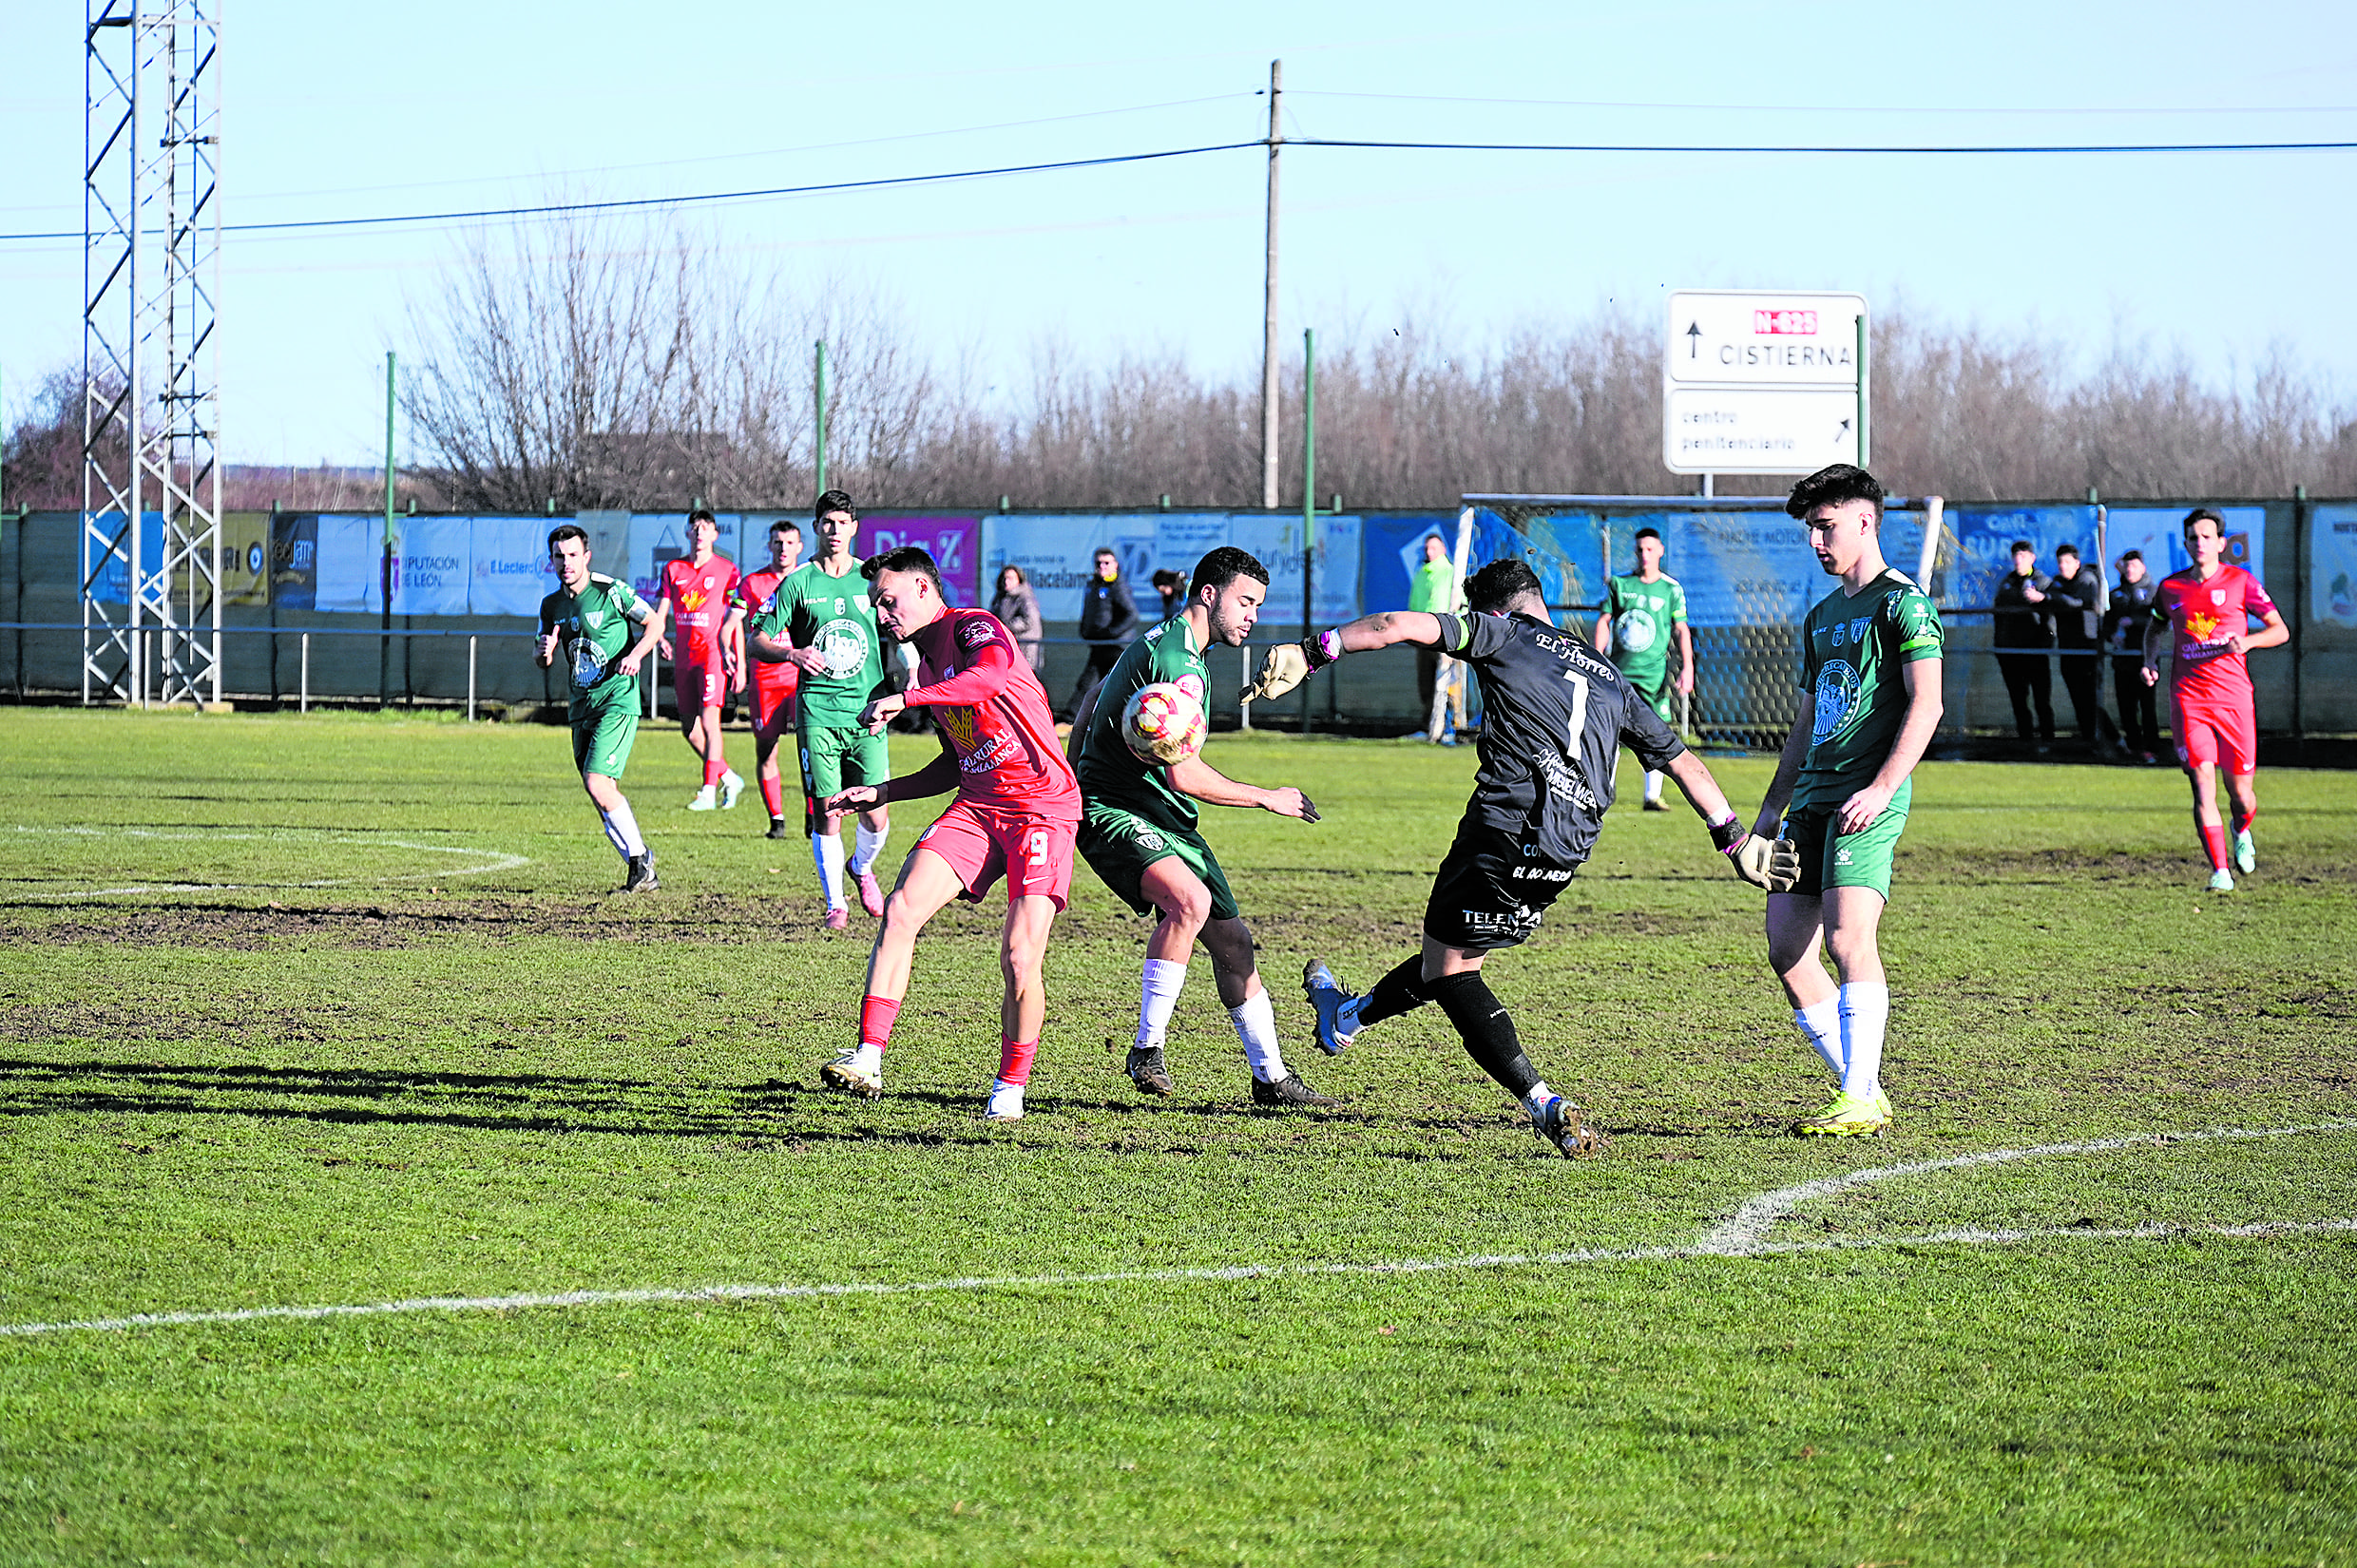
[[1763, 383]]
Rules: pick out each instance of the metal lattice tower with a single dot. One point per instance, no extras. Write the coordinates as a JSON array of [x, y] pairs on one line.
[[152, 385]]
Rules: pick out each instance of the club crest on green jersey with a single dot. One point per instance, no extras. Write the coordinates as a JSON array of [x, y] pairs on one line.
[[1836, 695]]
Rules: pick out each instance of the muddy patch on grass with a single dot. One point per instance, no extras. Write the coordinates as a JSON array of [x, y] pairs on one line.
[[2185, 869], [702, 918]]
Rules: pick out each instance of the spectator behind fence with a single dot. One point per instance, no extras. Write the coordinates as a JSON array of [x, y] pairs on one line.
[[2076, 594], [1173, 587], [1018, 609], [2124, 634], [1432, 591], [1109, 620], [2020, 624]]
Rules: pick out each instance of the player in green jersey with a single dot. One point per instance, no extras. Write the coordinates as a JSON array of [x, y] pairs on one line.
[[1869, 701], [1138, 830], [588, 620], [1641, 613], [821, 620]]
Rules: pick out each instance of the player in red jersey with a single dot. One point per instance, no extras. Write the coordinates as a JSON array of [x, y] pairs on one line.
[[773, 685], [1017, 812], [694, 604], [2202, 618]]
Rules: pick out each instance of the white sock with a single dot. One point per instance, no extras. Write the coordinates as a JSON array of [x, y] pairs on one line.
[[732, 778], [867, 842], [827, 854], [1653, 784], [1157, 997], [1540, 1094], [1821, 1025], [1864, 1011], [1255, 1026], [622, 826]]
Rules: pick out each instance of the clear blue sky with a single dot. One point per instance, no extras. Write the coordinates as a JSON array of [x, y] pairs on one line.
[[343, 110]]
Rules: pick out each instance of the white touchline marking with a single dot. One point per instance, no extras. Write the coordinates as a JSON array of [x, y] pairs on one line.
[[1743, 1232], [1720, 1242], [490, 860]]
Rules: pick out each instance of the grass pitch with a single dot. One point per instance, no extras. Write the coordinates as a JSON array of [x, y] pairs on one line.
[[336, 1011]]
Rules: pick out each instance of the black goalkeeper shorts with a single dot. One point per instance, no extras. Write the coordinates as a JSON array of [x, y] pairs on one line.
[[1492, 890]]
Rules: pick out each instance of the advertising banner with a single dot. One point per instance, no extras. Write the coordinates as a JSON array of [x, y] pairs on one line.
[[510, 566], [954, 542], [1057, 554], [1984, 539], [351, 564], [433, 572], [295, 561], [112, 584], [2159, 532], [245, 558], [2332, 565]]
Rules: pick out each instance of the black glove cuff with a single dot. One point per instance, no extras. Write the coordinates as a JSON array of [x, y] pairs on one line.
[[1728, 834], [1314, 649]]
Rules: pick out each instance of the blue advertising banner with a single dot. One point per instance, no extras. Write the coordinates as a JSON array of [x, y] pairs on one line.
[[2332, 566], [1056, 553], [294, 561], [954, 542], [434, 570], [511, 569], [112, 585], [2159, 532]]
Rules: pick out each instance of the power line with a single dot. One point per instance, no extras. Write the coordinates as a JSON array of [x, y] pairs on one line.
[[1826, 149], [1830, 108]]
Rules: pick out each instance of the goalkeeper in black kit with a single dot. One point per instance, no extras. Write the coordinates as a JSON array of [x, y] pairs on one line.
[[1555, 715]]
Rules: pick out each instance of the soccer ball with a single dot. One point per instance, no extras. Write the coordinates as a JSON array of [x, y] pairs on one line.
[[1164, 723]]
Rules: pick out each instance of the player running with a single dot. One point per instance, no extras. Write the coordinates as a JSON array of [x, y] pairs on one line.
[[2203, 616], [1641, 613], [1556, 716], [698, 589], [1869, 701], [773, 681], [588, 620], [1017, 808], [1138, 833], [820, 619]]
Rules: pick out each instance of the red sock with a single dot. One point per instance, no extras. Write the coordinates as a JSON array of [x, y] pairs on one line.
[[1015, 1060], [2213, 840], [875, 1021], [773, 795], [2242, 823], [714, 768]]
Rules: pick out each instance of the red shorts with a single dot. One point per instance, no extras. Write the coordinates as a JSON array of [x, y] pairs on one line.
[[1033, 852], [773, 703], [2224, 733], [698, 685]]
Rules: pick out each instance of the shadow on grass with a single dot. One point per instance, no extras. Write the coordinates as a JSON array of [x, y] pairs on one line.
[[534, 1102]]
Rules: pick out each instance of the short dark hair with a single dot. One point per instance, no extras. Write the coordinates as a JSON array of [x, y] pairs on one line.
[[1494, 587], [1104, 549], [2071, 550], [2132, 555], [702, 514], [568, 530], [908, 558], [1223, 565], [2198, 514], [1646, 534], [785, 525], [1831, 486], [2021, 545], [834, 500]]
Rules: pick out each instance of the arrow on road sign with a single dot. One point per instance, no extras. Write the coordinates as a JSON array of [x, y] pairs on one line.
[[1694, 339]]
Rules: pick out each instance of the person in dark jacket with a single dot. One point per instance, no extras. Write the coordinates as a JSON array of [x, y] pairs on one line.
[[1018, 609], [1109, 620], [2124, 634], [2020, 625], [2076, 600], [1173, 587]]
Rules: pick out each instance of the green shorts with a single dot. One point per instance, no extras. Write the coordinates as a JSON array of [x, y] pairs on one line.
[[1847, 860], [1657, 692], [1119, 844], [837, 754], [603, 734]]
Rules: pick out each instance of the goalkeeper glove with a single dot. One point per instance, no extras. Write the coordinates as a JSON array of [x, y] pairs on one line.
[[1289, 665], [1773, 864]]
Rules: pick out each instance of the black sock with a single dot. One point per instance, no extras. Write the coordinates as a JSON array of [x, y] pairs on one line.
[[1401, 991], [1486, 1028]]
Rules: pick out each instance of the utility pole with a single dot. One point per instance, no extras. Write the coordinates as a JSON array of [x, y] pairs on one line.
[[1268, 324], [1308, 494], [818, 398]]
